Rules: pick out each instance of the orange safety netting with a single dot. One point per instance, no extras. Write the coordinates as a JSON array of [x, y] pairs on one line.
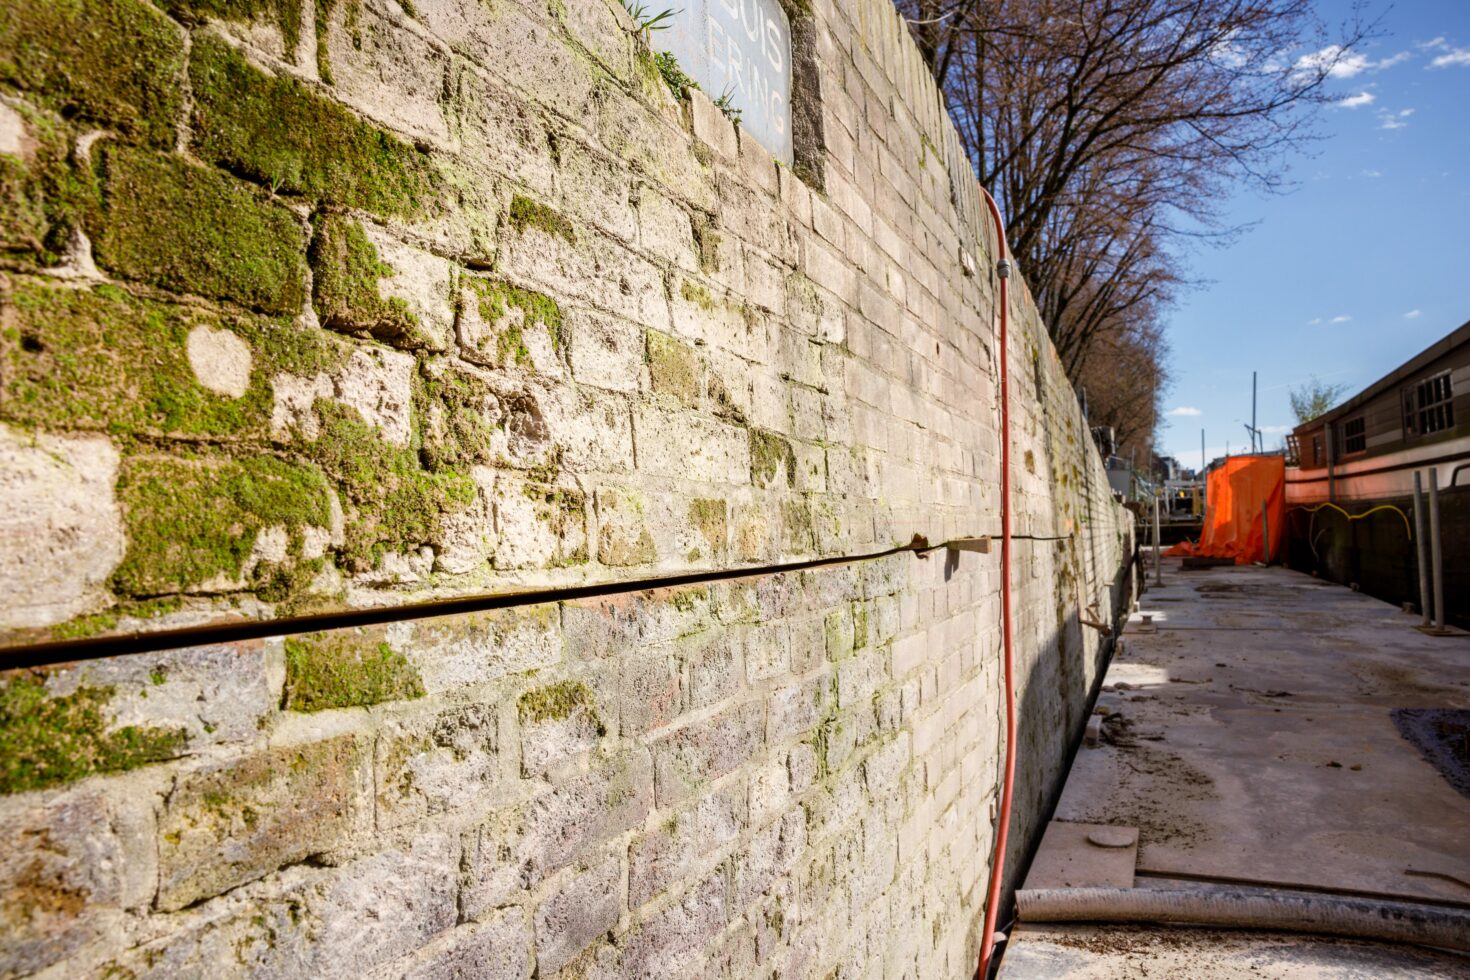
[[1237, 493]]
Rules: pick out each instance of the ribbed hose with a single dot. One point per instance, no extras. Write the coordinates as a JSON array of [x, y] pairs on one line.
[[1356, 918]]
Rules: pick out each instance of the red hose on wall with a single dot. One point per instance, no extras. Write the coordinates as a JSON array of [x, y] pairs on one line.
[[998, 861]]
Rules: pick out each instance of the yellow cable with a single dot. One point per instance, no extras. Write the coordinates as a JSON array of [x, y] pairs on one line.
[[1409, 528]]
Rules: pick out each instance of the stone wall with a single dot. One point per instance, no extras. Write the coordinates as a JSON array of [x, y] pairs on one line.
[[311, 308]]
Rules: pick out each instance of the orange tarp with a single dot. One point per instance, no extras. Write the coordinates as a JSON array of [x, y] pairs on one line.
[[1236, 495]]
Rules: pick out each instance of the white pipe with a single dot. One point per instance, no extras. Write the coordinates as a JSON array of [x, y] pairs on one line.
[[1158, 545], [1253, 908]]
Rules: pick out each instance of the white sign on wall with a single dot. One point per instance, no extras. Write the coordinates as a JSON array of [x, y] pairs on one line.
[[739, 48]]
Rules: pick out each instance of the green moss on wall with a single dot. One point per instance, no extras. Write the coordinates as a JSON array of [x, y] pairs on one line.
[[192, 520], [673, 368], [91, 625], [710, 518], [563, 511], [556, 702], [194, 230], [118, 63], [526, 213], [459, 416], [798, 531], [276, 130], [706, 243], [396, 504], [510, 312], [49, 741], [346, 270], [859, 625], [768, 454], [343, 670], [103, 359], [323, 30], [285, 14], [694, 293], [42, 196]]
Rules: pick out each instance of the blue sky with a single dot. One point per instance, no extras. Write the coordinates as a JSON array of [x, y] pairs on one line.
[[1364, 263]]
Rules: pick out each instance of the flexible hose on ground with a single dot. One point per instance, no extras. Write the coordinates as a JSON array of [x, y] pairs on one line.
[[1331, 915]]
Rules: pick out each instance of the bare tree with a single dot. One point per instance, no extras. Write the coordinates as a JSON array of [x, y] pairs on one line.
[[1110, 131]]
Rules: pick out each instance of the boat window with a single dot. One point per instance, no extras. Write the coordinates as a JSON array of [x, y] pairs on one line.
[[1429, 406]]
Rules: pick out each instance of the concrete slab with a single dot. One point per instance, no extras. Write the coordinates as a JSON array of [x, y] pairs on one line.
[[1073, 952], [1084, 855], [1250, 738]]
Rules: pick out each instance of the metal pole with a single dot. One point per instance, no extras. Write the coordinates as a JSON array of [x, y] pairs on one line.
[[1436, 553], [1202, 463], [1158, 545], [1425, 599], [1253, 411], [1266, 530], [1331, 486]]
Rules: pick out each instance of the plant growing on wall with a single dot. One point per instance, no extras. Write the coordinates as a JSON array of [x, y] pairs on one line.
[[726, 104], [647, 21], [673, 74]]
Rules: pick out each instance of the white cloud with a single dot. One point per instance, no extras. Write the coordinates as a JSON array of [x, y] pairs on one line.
[[1337, 63], [1357, 101], [1372, 173], [1388, 119], [1457, 58], [1314, 321], [1413, 314], [1430, 45], [1184, 410], [1275, 430], [1392, 60], [1340, 318]]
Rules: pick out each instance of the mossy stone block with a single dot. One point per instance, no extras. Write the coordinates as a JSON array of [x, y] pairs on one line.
[[344, 670], [771, 455], [193, 521], [239, 820], [346, 269], [102, 359], [49, 741], [284, 14], [192, 229], [526, 213], [461, 419], [278, 131], [396, 505], [506, 315], [42, 196], [118, 63], [673, 369], [710, 518]]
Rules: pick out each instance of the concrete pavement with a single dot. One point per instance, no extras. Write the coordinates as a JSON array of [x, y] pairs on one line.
[[1247, 729]]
